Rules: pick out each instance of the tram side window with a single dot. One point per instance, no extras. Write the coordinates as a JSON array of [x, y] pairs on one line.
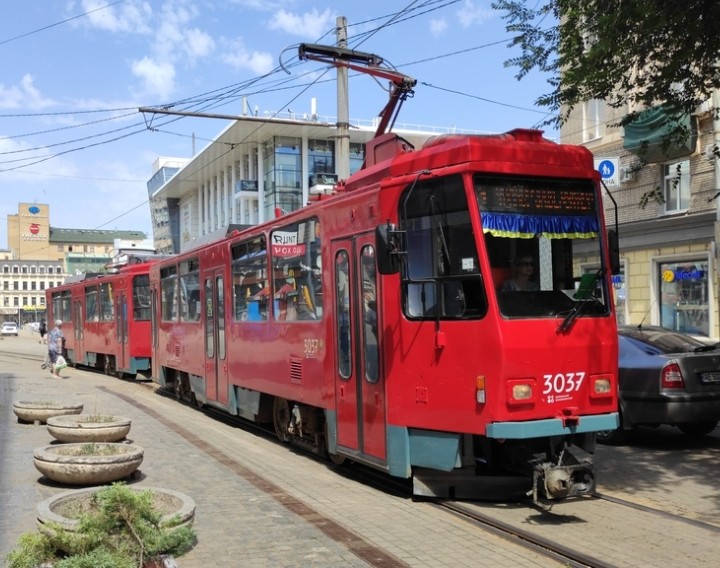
[[342, 293], [190, 290], [168, 293], [296, 271], [107, 308], [443, 272], [370, 313], [141, 297], [249, 277], [91, 307], [56, 301], [66, 306]]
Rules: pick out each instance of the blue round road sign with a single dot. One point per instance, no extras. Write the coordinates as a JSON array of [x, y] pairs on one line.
[[606, 169]]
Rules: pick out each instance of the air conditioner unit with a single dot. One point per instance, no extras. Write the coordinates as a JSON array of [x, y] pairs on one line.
[[710, 152], [627, 175]]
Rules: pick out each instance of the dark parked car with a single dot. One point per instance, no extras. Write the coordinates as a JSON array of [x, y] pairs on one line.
[[666, 377]]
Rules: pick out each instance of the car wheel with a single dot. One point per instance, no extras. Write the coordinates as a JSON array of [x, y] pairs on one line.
[[697, 428], [612, 437]]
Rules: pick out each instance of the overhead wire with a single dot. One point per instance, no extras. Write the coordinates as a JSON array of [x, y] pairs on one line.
[[224, 95]]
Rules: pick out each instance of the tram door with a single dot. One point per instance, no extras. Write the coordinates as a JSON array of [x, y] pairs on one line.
[[78, 321], [121, 331], [216, 367], [359, 381]]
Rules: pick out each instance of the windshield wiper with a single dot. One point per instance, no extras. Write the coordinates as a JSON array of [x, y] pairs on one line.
[[583, 297]]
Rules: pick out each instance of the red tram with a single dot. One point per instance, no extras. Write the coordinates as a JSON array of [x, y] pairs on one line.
[[106, 319], [373, 324]]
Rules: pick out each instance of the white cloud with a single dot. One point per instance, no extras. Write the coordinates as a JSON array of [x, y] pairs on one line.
[[239, 57], [198, 44], [471, 14], [132, 16], [25, 95], [438, 27], [158, 77], [311, 24]]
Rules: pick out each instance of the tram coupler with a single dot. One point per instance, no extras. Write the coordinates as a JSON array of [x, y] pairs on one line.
[[555, 482]]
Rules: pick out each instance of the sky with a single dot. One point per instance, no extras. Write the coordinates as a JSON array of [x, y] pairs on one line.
[[75, 72]]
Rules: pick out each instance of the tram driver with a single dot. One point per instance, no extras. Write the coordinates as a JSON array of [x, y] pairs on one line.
[[523, 267]]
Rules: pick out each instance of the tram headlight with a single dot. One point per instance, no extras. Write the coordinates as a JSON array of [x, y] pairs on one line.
[[520, 391], [601, 386]]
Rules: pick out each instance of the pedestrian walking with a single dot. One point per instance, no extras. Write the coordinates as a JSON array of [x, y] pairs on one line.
[[55, 347], [43, 330]]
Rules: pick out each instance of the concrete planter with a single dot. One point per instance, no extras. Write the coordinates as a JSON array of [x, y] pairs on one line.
[[65, 509], [88, 464], [38, 411], [88, 428]]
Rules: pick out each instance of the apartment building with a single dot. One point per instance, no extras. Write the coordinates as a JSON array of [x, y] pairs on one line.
[[40, 256], [664, 198]]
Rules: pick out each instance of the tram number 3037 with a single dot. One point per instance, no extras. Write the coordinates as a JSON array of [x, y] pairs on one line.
[[562, 384]]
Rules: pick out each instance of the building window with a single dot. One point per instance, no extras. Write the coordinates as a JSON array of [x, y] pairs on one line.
[[16, 302], [15, 270], [24, 270], [684, 294], [16, 285], [6, 284], [25, 285], [60, 248], [593, 119], [42, 285], [33, 285], [41, 270], [677, 186], [6, 270]]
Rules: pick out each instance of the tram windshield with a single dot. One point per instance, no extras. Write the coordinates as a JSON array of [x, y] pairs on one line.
[[542, 238]]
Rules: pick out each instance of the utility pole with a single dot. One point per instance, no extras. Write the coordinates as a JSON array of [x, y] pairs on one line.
[[342, 145]]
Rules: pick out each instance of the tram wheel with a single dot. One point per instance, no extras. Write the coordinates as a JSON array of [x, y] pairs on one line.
[[335, 459], [281, 418]]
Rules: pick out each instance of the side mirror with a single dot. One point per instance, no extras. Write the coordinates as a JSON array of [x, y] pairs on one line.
[[386, 249], [614, 249]]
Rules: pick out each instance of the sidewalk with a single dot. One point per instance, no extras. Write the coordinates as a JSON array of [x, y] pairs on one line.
[[259, 504]]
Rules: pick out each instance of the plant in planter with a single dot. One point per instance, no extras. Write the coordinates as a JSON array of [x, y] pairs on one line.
[[88, 464], [39, 411], [113, 527], [88, 428]]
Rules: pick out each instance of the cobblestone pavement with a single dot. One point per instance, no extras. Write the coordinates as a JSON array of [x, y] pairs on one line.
[[240, 520]]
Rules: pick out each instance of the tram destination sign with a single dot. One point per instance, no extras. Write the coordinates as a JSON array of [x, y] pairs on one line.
[[536, 200]]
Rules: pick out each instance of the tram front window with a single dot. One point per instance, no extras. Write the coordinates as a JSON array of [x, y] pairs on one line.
[[542, 236], [443, 274]]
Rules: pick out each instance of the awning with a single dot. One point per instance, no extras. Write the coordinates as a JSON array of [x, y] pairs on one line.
[[656, 136]]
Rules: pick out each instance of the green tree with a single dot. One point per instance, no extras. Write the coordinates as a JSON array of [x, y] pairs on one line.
[[648, 52]]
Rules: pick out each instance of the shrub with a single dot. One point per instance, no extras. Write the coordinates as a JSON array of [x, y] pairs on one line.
[[123, 530]]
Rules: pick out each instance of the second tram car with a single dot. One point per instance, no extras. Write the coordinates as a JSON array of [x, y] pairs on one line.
[[374, 325], [106, 319]]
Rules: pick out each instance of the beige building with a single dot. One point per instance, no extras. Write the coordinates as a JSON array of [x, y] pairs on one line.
[[40, 256], [666, 200]]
